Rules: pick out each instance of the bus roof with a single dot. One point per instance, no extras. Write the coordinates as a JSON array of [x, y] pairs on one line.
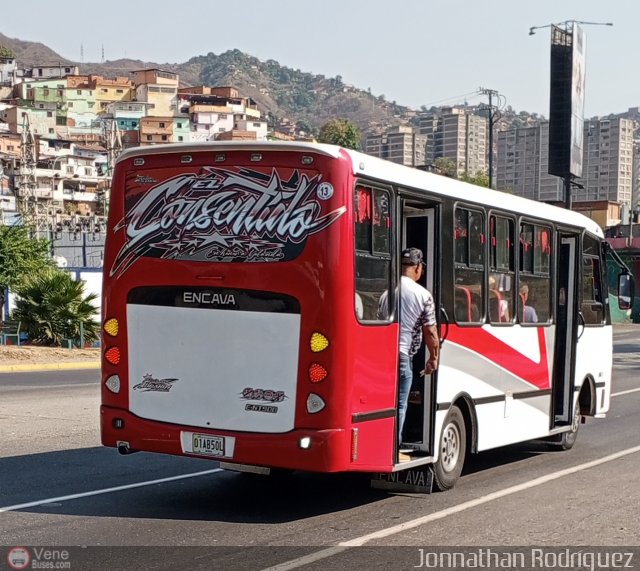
[[388, 171]]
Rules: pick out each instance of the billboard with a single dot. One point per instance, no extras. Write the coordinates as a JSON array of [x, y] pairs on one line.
[[566, 109]]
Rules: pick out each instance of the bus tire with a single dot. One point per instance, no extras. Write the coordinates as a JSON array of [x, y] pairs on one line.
[[451, 450], [568, 439]]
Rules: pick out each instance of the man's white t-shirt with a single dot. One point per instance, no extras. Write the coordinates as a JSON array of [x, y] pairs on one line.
[[417, 309]]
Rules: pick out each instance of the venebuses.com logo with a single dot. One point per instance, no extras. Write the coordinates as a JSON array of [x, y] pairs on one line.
[[38, 558], [18, 558]]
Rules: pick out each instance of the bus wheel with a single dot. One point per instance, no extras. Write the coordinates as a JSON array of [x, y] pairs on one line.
[[451, 451], [568, 439]]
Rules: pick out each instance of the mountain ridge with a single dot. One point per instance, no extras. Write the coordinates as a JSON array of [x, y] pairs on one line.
[[282, 93]]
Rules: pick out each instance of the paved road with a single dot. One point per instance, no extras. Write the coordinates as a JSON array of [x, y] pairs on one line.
[[50, 448]]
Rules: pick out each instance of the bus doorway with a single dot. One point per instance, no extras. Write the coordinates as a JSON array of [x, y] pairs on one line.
[[566, 329], [419, 230]]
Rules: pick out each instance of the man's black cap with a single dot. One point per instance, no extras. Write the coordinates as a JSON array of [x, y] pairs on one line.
[[411, 257]]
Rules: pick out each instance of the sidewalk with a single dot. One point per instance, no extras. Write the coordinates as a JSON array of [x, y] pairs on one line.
[[15, 359]]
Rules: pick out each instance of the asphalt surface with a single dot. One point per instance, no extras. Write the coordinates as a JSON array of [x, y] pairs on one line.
[[522, 495]]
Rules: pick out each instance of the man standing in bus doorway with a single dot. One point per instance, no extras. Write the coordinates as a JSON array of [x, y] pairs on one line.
[[417, 322]]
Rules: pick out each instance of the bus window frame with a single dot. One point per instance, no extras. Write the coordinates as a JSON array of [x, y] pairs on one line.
[[479, 209], [554, 230], [601, 277], [513, 271], [392, 256]]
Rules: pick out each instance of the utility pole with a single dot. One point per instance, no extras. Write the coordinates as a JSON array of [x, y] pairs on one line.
[[491, 93], [27, 201], [112, 142]]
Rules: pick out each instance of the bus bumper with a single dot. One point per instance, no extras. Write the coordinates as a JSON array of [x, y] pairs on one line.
[[327, 451]]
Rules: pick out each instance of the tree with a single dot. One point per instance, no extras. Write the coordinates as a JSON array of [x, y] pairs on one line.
[[340, 132], [20, 256], [479, 179], [304, 126], [7, 53], [446, 167], [52, 306]]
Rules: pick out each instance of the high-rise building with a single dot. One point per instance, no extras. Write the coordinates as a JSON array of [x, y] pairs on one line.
[[518, 161], [607, 169], [456, 134], [635, 184], [523, 163], [400, 144]]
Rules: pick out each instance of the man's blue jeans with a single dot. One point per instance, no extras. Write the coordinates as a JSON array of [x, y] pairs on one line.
[[405, 381]]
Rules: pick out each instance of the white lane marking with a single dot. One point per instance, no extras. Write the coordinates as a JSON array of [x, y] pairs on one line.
[[307, 559], [625, 392], [107, 490], [386, 532]]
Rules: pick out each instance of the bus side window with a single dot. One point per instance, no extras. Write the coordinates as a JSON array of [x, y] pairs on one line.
[[535, 276], [372, 215], [469, 252], [501, 269], [592, 299]]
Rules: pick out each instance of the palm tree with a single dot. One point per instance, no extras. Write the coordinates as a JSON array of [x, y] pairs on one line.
[[52, 306]]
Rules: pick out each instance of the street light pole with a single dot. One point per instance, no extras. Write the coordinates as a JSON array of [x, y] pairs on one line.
[[567, 192], [532, 29]]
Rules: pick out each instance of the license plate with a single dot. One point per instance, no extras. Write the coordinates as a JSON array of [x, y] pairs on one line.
[[209, 445]]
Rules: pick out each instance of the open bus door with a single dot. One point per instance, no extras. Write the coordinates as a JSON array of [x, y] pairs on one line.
[[419, 230], [566, 302]]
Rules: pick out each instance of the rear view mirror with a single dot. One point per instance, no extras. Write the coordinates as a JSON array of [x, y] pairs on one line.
[[625, 291]]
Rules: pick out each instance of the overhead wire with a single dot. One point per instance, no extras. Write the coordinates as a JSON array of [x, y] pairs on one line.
[[452, 98]]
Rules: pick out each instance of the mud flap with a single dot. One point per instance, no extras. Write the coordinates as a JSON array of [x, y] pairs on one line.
[[415, 480]]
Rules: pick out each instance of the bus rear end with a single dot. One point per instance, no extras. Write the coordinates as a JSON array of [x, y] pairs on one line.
[[218, 261]]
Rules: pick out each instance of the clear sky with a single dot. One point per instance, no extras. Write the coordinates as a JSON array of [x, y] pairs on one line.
[[416, 52]]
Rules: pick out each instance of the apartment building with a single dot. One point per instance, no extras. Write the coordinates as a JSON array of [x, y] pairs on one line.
[[607, 168], [8, 69], [456, 134], [607, 171], [400, 145], [635, 183], [518, 162], [110, 90], [10, 144], [80, 102], [181, 129], [41, 120], [243, 122], [126, 115], [159, 88], [47, 72], [156, 130], [216, 110]]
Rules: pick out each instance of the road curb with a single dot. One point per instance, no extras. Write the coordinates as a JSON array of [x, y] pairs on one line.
[[49, 366]]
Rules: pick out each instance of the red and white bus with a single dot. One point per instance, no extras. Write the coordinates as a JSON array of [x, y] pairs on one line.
[[241, 318]]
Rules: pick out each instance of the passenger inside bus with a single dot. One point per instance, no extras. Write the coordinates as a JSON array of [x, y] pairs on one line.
[[498, 307], [529, 314]]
